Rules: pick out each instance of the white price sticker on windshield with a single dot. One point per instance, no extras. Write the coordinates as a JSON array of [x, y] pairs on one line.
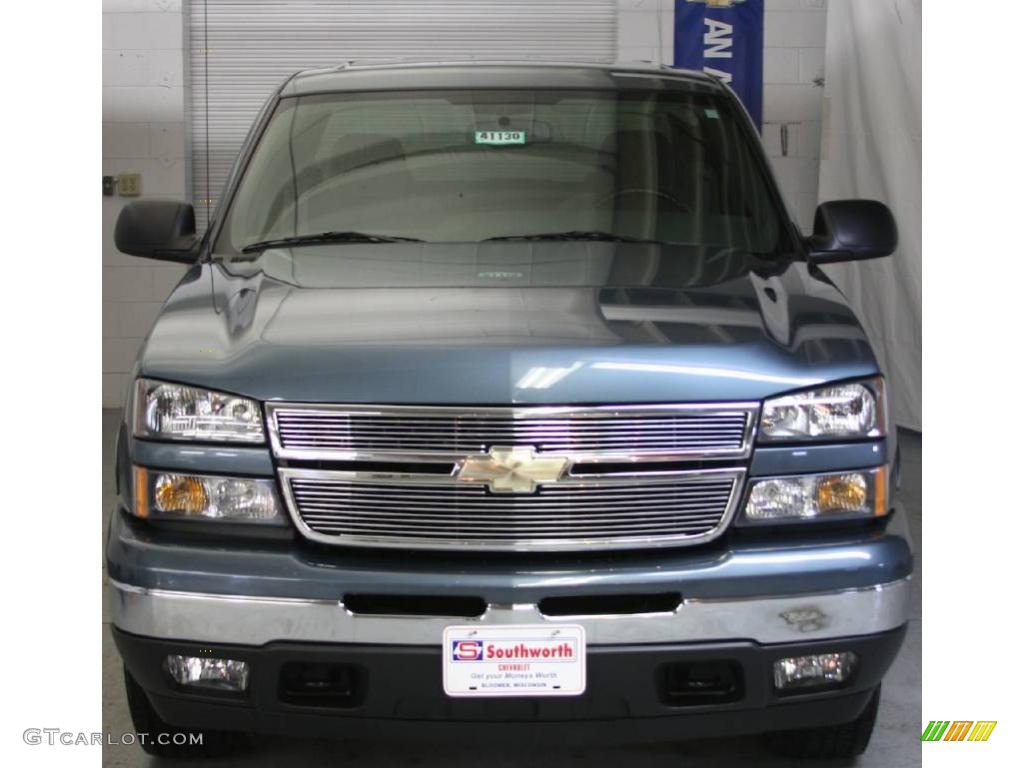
[[501, 137], [515, 660]]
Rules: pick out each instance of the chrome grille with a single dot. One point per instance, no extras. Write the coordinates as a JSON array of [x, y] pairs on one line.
[[439, 512], [611, 433]]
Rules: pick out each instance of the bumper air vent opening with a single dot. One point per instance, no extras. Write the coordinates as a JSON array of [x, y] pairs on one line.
[[314, 684], [700, 683], [415, 605], [604, 605]]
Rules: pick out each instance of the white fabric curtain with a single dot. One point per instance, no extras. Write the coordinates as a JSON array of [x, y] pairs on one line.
[[871, 148]]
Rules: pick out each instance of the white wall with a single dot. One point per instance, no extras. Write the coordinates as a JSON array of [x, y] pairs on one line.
[[794, 71], [872, 149], [794, 58], [144, 132], [144, 115]]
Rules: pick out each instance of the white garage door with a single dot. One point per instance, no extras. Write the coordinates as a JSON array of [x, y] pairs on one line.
[[242, 49]]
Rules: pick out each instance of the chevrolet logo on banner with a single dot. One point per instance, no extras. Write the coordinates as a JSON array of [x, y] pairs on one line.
[[512, 470]]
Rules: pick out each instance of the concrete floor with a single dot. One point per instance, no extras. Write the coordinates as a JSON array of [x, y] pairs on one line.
[[895, 744]]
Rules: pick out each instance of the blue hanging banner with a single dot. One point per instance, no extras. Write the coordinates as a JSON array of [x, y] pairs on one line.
[[724, 38]]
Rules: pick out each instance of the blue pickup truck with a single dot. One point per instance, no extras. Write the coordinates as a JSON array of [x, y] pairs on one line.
[[506, 400]]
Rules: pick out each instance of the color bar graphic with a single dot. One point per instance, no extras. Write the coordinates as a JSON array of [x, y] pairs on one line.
[[958, 730]]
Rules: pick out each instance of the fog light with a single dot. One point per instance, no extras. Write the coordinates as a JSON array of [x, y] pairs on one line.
[[821, 670], [213, 674]]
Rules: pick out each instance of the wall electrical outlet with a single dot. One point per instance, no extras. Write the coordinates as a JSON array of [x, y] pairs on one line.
[[129, 184], [108, 186]]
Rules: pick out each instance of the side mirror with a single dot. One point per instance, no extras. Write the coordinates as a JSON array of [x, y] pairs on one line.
[[851, 230], [157, 229]]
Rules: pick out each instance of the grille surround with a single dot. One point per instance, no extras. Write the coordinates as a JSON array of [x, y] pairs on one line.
[[392, 476], [631, 433], [640, 511]]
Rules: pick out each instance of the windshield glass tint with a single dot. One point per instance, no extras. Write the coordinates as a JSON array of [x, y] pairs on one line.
[[465, 166]]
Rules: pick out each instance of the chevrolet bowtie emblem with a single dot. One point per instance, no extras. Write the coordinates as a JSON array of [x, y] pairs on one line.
[[512, 470]]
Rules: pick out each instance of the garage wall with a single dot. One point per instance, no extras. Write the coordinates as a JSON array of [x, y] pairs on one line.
[[872, 149], [794, 71], [794, 77], [143, 131]]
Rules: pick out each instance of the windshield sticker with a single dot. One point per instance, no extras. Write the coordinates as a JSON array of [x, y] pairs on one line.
[[712, 113], [501, 137]]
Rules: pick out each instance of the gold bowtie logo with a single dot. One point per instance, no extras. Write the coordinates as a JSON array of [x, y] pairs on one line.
[[512, 470]]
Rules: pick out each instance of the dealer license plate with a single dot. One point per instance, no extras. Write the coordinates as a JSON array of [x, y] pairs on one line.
[[515, 660]]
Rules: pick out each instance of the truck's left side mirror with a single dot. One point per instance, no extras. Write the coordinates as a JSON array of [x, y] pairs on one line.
[[851, 230], [157, 229]]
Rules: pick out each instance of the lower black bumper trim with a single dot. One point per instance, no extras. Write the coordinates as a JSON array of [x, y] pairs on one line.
[[400, 694]]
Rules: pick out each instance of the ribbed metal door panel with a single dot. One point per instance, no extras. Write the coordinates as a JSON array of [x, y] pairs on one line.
[[240, 50]]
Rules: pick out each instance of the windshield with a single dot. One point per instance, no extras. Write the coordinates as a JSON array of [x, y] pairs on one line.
[[472, 165]]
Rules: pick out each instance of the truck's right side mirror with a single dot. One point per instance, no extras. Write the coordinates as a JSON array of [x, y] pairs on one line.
[[851, 230], [157, 229]]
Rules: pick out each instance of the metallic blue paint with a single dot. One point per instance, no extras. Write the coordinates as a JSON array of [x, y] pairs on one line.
[[203, 459], [772, 460], [421, 323], [741, 569]]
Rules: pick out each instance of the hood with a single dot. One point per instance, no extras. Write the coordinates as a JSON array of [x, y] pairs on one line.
[[506, 323]]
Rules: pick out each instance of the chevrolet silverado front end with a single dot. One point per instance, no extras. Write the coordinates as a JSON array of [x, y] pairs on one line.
[[507, 398]]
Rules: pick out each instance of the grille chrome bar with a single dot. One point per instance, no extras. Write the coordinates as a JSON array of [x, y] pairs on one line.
[[625, 433], [434, 511]]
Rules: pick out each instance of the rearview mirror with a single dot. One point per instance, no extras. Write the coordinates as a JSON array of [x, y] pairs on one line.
[[157, 229], [851, 230]]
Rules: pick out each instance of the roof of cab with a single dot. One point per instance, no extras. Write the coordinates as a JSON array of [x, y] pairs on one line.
[[407, 75]]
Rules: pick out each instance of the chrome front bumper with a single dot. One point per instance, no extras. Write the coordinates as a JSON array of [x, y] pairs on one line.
[[249, 620]]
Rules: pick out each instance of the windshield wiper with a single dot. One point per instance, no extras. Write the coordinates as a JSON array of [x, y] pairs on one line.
[[326, 237], [575, 234]]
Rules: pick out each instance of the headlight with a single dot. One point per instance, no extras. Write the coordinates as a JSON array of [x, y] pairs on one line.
[[838, 495], [180, 496], [826, 413], [178, 412]]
